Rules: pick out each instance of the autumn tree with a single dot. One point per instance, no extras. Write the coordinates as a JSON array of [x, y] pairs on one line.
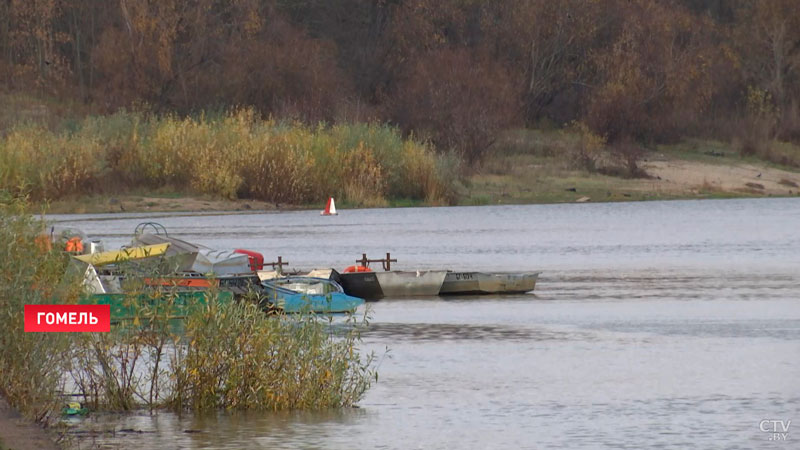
[[283, 72], [360, 31], [767, 36], [458, 100], [187, 56], [30, 37], [456, 71], [652, 79], [548, 44], [134, 53]]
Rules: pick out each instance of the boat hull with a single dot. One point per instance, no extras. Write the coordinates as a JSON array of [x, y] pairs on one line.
[[398, 284], [332, 303], [308, 294], [188, 257], [361, 284], [129, 306], [126, 254], [480, 283]]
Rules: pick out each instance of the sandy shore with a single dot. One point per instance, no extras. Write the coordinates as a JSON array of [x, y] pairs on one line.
[[687, 177]]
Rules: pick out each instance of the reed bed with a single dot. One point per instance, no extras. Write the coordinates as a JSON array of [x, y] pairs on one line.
[[232, 155], [223, 355], [30, 369]]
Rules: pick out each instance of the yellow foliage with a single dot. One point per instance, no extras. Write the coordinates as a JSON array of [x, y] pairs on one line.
[[236, 155]]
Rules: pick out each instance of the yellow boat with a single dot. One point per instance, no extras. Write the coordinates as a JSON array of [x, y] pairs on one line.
[[125, 254]]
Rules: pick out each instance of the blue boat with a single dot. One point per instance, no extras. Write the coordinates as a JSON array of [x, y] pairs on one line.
[[309, 294]]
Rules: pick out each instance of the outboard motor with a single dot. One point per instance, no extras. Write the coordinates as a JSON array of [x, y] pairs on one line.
[[256, 259]]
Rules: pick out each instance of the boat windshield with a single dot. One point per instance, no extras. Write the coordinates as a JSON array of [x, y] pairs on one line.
[[308, 285]]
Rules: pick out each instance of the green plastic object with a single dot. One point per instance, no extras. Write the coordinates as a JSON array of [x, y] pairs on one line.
[[74, 409]]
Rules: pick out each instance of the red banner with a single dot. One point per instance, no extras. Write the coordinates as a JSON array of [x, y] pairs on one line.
[[67, 318]]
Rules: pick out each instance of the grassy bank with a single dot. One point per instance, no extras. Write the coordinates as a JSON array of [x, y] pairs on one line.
[[532, 166], [535, 166], [223, 356], [231, 156], [71, 161]]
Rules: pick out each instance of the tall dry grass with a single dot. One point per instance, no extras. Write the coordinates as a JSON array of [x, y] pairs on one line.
[[233, 155]]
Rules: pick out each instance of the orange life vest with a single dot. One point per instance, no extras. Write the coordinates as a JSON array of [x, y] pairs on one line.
[[357, 269], [74, 245]]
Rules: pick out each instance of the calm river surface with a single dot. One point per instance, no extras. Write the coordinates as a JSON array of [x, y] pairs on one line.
[[654, 325]]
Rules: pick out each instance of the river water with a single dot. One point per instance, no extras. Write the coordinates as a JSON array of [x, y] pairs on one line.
[[654, 325]]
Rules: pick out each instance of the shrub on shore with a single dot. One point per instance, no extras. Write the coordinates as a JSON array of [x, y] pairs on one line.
[[228, 355], [30, 369], [289, 363], [236, 155]]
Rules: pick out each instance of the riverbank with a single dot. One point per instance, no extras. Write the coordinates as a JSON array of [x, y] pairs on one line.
[[174, 202], [537, 169], [689, 171], [73, 162]]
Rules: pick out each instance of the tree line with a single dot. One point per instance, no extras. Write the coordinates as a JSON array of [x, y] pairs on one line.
[[456, 72]]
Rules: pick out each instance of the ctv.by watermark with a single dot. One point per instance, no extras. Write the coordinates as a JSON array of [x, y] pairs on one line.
[[778, 429]]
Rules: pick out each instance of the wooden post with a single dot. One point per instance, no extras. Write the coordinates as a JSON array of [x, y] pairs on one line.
[[387, 264], [279, 264], [363, 261]]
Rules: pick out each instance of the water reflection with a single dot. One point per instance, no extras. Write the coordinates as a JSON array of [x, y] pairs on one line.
[[465, 332], [168, 430]]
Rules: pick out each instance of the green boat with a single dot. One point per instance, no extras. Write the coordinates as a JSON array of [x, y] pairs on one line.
[[129, 306]]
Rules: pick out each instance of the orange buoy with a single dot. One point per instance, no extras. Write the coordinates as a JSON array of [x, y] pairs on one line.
[[330, 208], [352, 269]]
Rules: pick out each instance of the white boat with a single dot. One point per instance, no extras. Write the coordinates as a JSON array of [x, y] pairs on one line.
[[328, 274], [189, 257], [398, 283], [472, 283]]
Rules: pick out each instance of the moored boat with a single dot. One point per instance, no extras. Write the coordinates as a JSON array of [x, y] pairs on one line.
[[477, 283], [308, 294], [398, 283], [328, 274], [238, 285], [123, 255], [176, 305], [361, 284], [188, 257]]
